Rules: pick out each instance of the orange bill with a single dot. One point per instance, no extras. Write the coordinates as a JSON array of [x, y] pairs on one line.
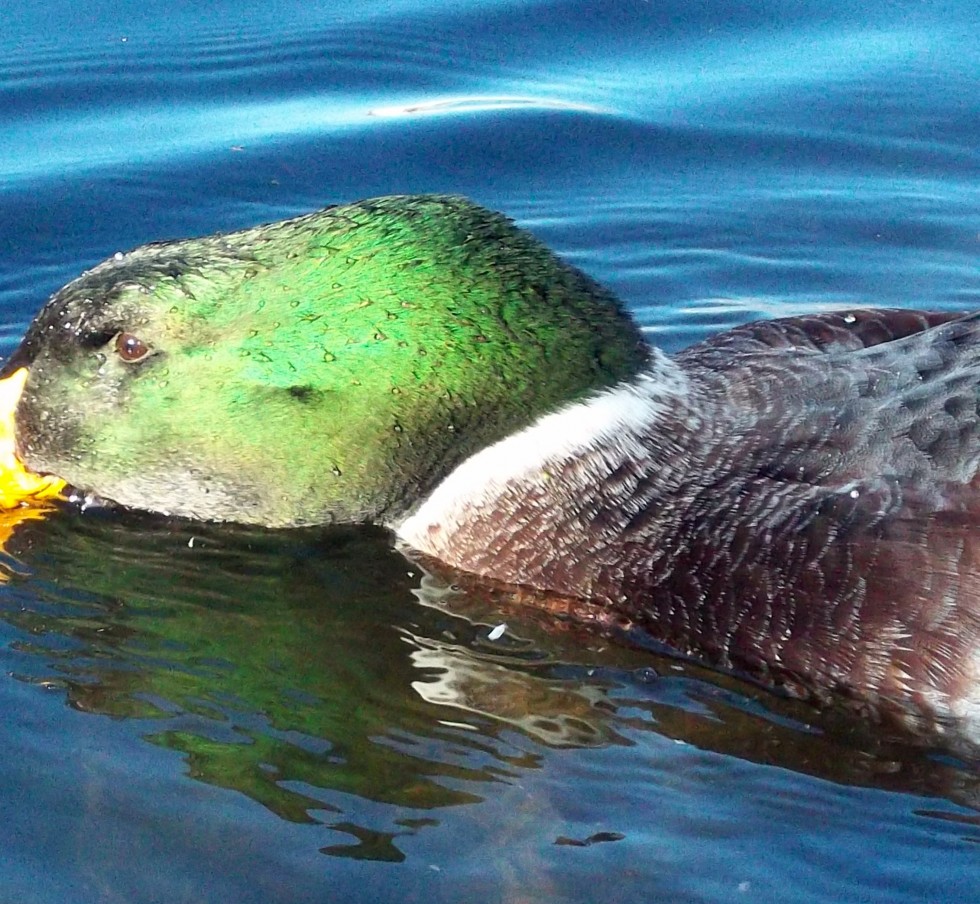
[[20, 488]]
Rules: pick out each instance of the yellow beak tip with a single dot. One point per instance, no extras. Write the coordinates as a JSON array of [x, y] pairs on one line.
[[18, 486]]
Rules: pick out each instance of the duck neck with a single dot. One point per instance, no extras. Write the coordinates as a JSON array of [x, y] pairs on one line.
[[549, 506]]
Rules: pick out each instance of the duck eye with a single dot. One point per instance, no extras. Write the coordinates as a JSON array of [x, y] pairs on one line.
[[131, 348]]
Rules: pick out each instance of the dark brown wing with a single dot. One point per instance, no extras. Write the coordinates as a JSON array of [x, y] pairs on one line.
[[834, 541], [827, 332], [825, 399]]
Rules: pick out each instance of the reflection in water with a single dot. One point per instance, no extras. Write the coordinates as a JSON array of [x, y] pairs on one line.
[[273, 665], [557, 714], [300, 670]]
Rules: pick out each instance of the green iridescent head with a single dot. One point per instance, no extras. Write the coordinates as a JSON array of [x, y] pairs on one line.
[[332, 367]]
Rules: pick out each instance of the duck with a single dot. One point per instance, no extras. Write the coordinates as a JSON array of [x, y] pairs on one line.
[[793, 500]]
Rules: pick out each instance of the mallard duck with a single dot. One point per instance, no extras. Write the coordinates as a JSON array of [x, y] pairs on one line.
[[795, 499]]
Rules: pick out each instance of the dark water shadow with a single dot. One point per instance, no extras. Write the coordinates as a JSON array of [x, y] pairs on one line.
[[300, 668]]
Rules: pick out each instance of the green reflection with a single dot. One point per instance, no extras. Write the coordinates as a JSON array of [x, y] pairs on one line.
[[285, 666], [315, 670], [250, 647]]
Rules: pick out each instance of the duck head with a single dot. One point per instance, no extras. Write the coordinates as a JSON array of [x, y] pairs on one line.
[[332, 367]]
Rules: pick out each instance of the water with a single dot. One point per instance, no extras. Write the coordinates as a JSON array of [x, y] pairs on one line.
[[202, 714]]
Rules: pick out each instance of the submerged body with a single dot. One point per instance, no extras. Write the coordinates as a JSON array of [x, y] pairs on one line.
[[797, 499]]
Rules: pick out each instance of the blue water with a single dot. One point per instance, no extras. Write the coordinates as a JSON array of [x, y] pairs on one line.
[[202, 714]]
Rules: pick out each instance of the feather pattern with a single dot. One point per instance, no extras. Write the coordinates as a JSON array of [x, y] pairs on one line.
[[797, 499]]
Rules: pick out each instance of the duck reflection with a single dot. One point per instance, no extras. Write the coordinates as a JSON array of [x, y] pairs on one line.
[[301, 668]]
